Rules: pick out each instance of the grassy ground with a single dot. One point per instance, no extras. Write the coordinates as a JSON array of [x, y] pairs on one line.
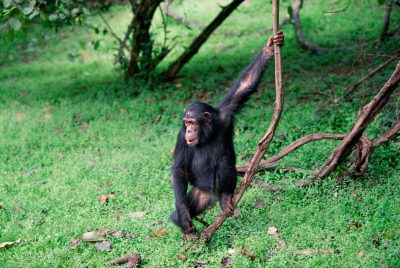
[[73, 131]]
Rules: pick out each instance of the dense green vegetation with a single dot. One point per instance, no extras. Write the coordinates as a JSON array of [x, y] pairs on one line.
[[72, 131]]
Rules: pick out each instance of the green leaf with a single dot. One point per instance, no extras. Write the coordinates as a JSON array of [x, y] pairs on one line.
[[290, 11], [27, 10], [33, 14], [53, 17], [14, 23], [381, 2], [7, 3], [75, 11], [96, 44], [71, 57]]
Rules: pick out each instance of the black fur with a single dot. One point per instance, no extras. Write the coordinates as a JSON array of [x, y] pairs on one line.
[[210, 165]]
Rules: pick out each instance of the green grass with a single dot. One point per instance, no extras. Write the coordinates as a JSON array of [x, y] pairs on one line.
[[72, 131]]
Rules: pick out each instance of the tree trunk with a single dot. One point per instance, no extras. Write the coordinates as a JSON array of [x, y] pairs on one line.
[[177, 65], [142, 46], [386, 20]]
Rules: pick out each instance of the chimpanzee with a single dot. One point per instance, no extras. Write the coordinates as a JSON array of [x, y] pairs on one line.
[[204, 152]]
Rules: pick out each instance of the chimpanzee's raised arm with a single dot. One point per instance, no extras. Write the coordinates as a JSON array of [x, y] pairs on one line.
[[248, 80]]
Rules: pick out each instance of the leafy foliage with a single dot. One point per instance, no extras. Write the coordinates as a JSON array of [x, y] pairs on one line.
[[16, 13]]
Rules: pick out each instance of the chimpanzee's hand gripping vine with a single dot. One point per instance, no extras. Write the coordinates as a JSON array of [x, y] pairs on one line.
[[204, 152]]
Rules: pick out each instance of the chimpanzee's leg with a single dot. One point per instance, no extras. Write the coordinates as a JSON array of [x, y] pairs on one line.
[[197, 201]]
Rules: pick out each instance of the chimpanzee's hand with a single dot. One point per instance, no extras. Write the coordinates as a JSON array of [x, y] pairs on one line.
[[278, 39], [186, 223], [190, 228]]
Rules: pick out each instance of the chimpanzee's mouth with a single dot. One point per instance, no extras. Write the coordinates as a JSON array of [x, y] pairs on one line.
[[192, 142]]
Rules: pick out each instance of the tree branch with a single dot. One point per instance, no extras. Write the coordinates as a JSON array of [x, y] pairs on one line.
[[290, 148], [178, 18], [366, 116], [263, 144], [122, 44], [194, 47], [296, 6], [353, 88], [134, 6], [363, 149], [338, 10], [386, 20], [388, 134]]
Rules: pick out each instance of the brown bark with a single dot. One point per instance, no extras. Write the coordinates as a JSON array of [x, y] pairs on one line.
[[296, 6], [386, 20], [194, 47], [140, 54], [290, 148], [265, 141], [365, 148], [388, 134], [366, 116]]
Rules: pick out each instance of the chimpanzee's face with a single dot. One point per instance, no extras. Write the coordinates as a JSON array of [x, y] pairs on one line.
[[193, 124], [192, 130]]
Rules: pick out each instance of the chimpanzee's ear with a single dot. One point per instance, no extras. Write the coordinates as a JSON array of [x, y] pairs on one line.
[[208, 116]]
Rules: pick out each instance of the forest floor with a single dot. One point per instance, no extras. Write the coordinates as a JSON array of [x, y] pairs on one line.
[[72, 130]]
